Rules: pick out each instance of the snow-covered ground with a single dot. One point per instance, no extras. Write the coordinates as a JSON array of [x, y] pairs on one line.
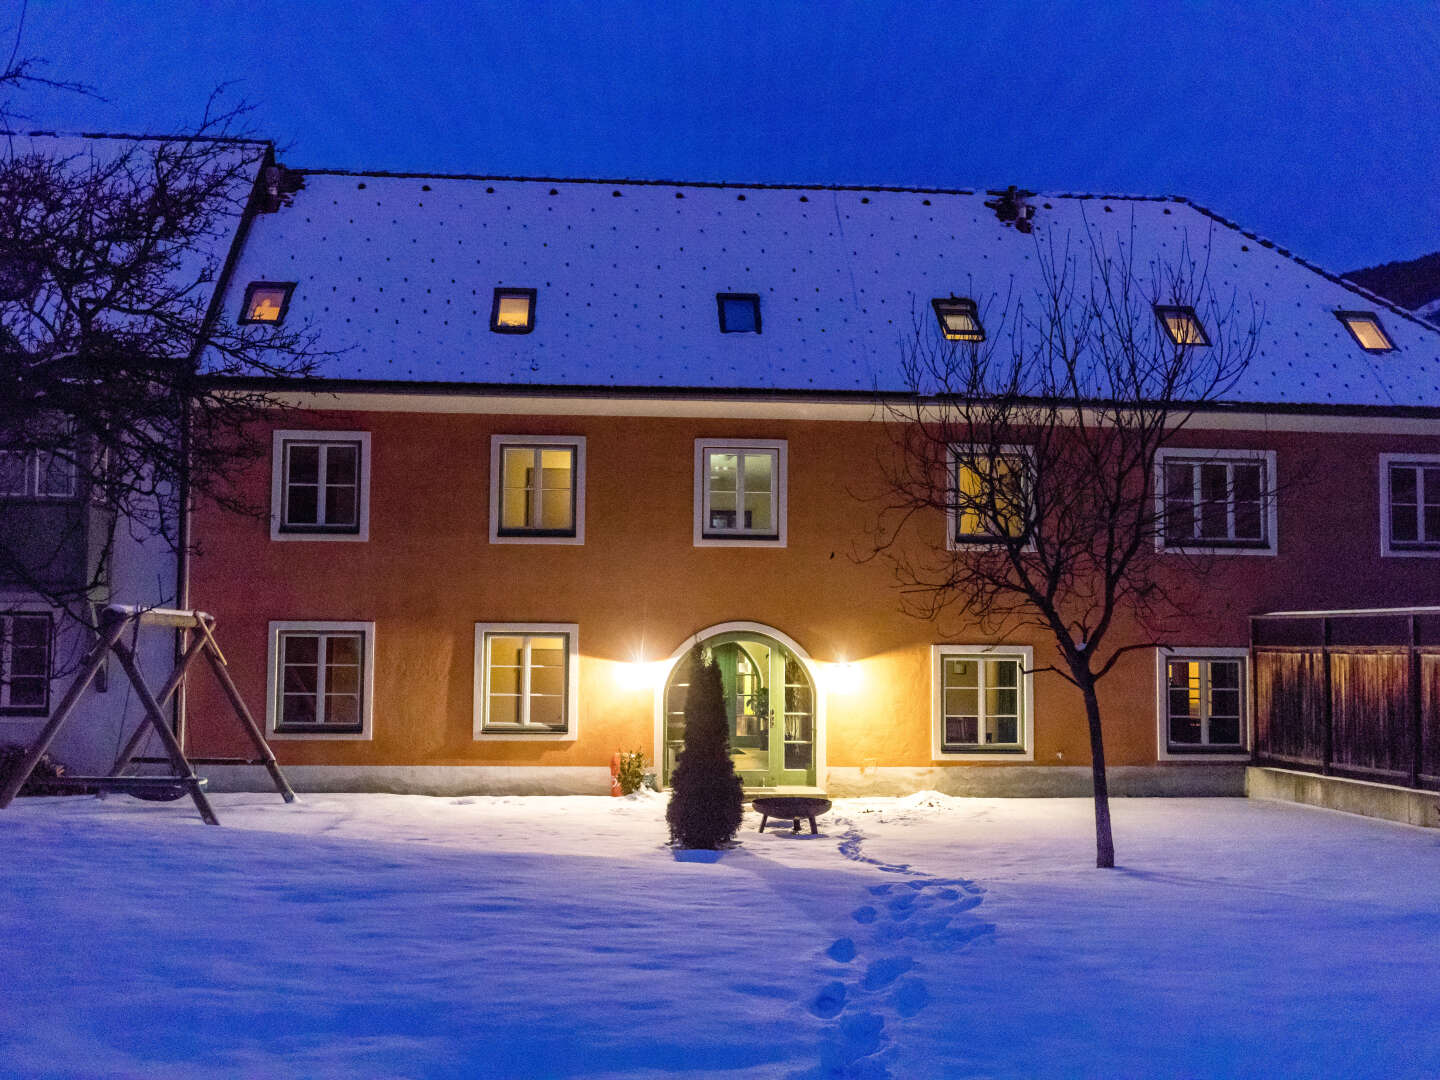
[[400, 936]]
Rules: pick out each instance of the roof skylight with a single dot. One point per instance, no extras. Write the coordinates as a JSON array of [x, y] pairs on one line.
[[1181, 324], [739, 312], [1365, 328], [959, 318], [266, 301], [513, 311]]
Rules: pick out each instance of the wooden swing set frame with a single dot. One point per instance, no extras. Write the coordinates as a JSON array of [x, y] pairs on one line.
[[197, 629]]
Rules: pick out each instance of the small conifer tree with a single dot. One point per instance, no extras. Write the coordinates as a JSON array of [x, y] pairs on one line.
[[706, 801]]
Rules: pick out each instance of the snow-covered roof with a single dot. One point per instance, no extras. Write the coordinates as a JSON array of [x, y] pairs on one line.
[[397, 274]]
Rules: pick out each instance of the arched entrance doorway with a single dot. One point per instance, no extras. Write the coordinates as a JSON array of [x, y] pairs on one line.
[[770, 703]]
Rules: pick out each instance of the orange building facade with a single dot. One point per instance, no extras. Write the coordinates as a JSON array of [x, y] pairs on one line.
[[415, 643]]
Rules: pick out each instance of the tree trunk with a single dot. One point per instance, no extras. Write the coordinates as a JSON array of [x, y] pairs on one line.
[[1104, 841]]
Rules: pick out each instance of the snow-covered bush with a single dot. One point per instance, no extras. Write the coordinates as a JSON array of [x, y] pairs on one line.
[[707, 800], [46, 769]]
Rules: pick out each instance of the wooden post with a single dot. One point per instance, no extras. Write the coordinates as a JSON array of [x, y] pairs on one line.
[[1417, 721], [1327, 715], [111, 627], [222, 675], [171, 686], [157, 721]]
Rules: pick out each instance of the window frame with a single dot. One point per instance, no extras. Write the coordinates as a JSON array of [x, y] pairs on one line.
[[1423, 549], [943, 305], [1162, 310], [506, 293], [1025, 655], [7, 632], [1205, 654], [702, 536], [953, 541], [243, 319], [273, 685], [31, 477], [722, 298], [497, 489], [278, 529], [1269, 511], [481, 680], [1373, 318]]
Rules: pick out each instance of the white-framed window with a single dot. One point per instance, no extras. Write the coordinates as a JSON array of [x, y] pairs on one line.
[[1216, 501], [537, 489], [989, 494], [320, 485], [527, 678], [1203, 703], [1410, 504], [36, 474], [26, 649], [983, 702], [321, 680], [740, 496]]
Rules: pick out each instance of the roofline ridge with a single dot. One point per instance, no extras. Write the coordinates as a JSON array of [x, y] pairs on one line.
[[137, 137], [1337, 279]]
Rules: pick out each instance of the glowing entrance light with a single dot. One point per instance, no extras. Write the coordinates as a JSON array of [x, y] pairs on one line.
[[842, 677]]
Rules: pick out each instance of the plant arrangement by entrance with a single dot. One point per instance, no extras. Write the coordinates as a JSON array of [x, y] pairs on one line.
[[707, 800]]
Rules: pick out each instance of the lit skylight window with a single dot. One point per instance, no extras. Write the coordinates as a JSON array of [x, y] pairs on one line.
[[1181, 325], [1365, 328], [513, 311], [739, 313], [959, 318], [266, 301]]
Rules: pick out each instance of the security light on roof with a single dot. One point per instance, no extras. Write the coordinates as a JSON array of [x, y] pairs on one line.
[[959, 318], [1365, 328], [1182, 325]]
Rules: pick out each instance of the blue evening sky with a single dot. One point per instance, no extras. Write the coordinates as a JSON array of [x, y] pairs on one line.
[[1314, 124]]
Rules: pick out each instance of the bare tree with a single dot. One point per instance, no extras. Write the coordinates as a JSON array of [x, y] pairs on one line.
[[1039, 444], [113, 348]]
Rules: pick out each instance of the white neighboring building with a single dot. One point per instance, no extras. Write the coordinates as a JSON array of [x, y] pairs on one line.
[[50, 523]]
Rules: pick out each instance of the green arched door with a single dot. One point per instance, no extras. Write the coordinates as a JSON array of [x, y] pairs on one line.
[[770, 706]]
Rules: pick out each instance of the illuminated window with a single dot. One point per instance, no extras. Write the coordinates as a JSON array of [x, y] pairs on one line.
[[740, 492], [537, 486], [1365, 328], [24, 663], [1217, 500], [1203, 702], [982, 704], [513, 311], [1181, 324], [739, 312], [36, 474], [321, 678], [989, 493], [266, 301], [959, 319], [525, 680], [320, 485], [1410, 507]]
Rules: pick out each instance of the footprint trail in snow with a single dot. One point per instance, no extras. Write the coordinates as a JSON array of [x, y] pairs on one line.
[[880, 971]]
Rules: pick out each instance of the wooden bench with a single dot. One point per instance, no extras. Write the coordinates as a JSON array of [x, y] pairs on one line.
[[793, 807]]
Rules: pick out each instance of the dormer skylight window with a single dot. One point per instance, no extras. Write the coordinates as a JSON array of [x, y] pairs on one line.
[[513, 311], [739, 312], [1182, 325], [266, 301], [1365, 328], [959, 318]]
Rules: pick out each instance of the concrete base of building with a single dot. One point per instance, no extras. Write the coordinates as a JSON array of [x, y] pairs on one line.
[[1350, 796], [420, 779], [1002, 781], [1039, 781]]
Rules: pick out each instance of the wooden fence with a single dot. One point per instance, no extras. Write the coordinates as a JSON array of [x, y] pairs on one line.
[[1350, 693]]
